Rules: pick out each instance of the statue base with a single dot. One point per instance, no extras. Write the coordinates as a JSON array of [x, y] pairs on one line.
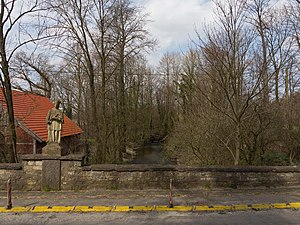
[[52, 148]]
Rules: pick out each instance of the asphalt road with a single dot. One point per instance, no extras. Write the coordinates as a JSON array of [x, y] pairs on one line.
[[272, 217]]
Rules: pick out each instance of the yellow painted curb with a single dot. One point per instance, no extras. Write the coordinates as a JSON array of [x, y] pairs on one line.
[[175, 208], [203, 208], [83, 209], [132, 208], [43, 209], [160, 208], [39, 209], [241, 207], [92, 209], [14, 209], [292, 205], [120, 209], [213, 208], [139, 208], [222, 207], [261, 206], [295, 205], [281, 206]]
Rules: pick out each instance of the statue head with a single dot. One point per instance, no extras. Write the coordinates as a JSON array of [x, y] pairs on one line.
[[57, 103]]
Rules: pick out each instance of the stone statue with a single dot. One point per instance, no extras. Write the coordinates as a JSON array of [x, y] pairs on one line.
[[55, 119]]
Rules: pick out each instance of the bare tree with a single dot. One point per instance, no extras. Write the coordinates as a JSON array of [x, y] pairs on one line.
[[100, 36], [170, 70], [35, 70], [190, 71], [228, 65], [280, 47], [293, 12], [251, 53], [14, 34], [81, 25], [131, 38], [261, 21]]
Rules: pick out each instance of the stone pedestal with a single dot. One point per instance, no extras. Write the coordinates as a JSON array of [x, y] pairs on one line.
[[51, 175], [52, 149], [48, 172]]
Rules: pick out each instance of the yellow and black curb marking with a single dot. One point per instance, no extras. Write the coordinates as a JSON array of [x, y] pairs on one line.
[[159, 208]]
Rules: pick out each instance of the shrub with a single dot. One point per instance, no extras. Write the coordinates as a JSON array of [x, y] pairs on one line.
[[275, 159]]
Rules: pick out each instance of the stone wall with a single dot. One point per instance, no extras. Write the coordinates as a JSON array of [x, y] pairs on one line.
[[13, 171], [24, 176], [34, 170], [158, 176]]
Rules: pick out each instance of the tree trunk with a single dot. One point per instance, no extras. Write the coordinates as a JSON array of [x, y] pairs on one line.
[[7, 91], [264, 70], [95, 122], [237, 144], [122, 105], [277, 86]]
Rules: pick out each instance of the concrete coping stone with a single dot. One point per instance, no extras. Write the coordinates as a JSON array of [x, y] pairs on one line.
[[242, 169], [39, 157], [130, 167], [157, 167], [10, 166]]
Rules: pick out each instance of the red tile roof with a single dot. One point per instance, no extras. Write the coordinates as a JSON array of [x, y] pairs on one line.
[[31, 110]]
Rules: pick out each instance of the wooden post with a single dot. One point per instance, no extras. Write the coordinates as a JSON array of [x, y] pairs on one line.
[[171, 198], [9, 202], [34, 146]]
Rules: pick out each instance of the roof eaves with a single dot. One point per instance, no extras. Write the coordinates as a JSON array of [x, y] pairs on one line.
[[30, 132]]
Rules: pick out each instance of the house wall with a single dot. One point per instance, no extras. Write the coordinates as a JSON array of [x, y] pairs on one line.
[[24, 142], [39, 147], [73, 175]]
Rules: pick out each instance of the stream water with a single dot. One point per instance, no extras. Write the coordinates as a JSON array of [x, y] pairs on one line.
[[150, 154]]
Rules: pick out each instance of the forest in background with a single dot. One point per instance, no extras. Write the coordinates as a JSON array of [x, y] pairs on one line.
[[232, 98]]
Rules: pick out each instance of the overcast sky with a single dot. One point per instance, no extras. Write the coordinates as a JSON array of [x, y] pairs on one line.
[[173, 23]]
